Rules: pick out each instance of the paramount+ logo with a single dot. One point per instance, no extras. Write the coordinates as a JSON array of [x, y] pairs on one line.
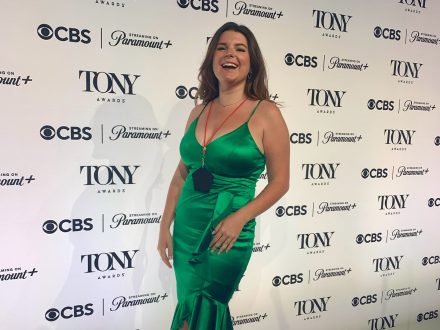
[[68, 312], [300, 60], [61, 33], [203, 5], [48, 132], [291, 210], [387, 33]]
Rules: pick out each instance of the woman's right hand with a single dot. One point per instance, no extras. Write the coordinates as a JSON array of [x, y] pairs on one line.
[[165, 246]]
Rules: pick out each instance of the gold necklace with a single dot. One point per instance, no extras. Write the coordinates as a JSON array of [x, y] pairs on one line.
[[227, 105]]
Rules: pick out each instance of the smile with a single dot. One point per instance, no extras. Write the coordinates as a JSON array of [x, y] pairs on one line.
[[229, 65]]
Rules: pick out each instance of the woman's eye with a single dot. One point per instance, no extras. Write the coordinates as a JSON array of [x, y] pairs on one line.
[[221, 48]]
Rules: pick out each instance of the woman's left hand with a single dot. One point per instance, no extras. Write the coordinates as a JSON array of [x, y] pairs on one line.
[[225, 234]]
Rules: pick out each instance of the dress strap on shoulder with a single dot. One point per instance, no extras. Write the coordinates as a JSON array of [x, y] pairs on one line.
[[206, 104], [253, 111]]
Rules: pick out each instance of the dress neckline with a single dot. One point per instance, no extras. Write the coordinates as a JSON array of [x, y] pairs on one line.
[[219, 137], [245, 124], [196, 121]]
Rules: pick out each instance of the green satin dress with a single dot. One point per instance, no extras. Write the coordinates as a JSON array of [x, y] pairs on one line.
[[205, 280]]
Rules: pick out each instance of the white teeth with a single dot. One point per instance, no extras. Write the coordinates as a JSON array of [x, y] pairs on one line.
[[229, 65]]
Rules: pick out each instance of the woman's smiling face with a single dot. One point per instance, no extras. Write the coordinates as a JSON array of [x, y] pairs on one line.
[[231, 62]]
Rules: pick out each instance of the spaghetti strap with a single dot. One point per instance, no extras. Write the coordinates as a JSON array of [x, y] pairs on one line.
[[253, 111], [202, 110]]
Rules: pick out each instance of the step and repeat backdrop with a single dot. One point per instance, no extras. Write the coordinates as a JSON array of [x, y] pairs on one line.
[[94, 97]]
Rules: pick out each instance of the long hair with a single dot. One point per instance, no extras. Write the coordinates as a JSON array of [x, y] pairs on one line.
[[256, 83]]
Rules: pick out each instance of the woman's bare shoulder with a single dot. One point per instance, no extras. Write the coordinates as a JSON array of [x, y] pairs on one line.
[[268, 111], [195, 112]]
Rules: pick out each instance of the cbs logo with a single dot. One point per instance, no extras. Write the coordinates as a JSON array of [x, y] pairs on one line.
[[182, 92], [369, 238], [301, 60], [364, 300], [62, 33], [427, 316], [387, 33], [430, 260], [67, 225], [287, 279], [291, 210], [67, 312], [380, 105], [48, 132], [203, 5], [434, 202], [374, 173], [300, 138]]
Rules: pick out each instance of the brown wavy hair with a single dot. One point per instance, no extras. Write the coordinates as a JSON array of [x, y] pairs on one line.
[[256, 83]]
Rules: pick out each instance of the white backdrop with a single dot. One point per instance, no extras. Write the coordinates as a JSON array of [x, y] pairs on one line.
[[94, 97]]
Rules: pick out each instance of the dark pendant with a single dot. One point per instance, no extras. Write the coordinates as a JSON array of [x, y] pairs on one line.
[[202, 179]]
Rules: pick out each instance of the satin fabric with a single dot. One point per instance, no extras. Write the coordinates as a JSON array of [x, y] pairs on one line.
[[205, 280]]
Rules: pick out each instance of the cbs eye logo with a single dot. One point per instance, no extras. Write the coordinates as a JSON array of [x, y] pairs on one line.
[[288, 279], [387, 33], [183, 92], [61, 33], [45, 31], [301, 60], [374, 173], [380, 105], [291, 210], [203, 5], [48, 132], [53, 314], [67, 225]]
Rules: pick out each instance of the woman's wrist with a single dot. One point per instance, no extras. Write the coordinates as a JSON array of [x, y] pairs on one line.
[[165, 225]]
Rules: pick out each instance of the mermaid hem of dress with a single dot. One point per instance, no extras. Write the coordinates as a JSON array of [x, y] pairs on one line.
[[202, 312]]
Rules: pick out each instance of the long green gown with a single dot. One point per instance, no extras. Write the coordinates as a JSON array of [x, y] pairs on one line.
[[205, 280]]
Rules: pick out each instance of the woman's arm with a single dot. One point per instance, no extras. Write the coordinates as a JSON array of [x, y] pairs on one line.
[[275, 141], [165, 242]]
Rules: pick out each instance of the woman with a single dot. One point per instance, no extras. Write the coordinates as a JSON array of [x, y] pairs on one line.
[[229, 139]]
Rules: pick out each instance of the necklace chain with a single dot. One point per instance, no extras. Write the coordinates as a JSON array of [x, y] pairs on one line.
[[227, 105]]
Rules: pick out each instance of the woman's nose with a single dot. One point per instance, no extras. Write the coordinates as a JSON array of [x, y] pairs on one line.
[[229, 52]]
